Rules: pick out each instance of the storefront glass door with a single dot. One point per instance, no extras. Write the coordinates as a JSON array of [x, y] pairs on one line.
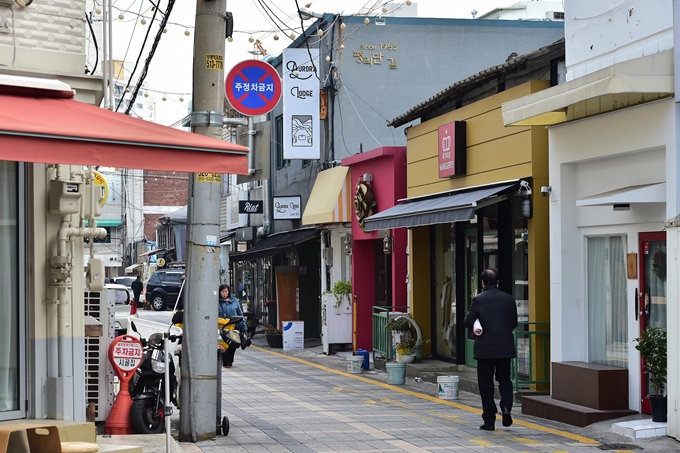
[[652, 303], [10, 331], [471, 284]]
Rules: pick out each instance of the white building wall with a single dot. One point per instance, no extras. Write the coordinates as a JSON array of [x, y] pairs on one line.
[[527, 10], [600, 33], [630, 147]]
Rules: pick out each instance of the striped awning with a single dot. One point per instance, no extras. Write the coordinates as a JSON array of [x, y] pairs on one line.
[[330, 200]]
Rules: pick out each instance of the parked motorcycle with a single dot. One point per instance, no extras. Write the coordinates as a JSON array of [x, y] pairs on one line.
[[232, 338], [148, 410]]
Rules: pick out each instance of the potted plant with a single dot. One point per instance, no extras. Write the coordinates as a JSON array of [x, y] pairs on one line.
[[342, 291], [400, 324], [405, 348], [274, 337], [652, 345]]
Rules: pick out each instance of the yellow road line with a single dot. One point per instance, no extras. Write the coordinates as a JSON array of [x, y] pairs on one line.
[[482, 443], [545, 429]]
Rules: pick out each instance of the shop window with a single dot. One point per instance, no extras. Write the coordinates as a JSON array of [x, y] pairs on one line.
[[445, 290], [607, 301], [9, 289]]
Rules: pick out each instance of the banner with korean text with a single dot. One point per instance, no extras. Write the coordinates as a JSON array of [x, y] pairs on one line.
[[301, 123]]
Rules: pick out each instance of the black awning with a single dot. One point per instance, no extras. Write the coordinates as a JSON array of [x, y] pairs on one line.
[[444, 209], [267, 247]]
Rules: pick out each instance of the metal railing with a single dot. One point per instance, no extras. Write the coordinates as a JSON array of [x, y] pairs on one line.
[[382, 340], [532, 342]]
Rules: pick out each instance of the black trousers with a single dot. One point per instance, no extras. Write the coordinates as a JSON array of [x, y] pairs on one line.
[[228, 356], [485, 374]]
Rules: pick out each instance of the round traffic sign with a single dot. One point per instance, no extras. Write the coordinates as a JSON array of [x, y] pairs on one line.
[[253, 87], [125, 354]]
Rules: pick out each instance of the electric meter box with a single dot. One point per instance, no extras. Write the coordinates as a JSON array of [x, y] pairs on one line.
[[65, 197], [95, 274], [99, 193]]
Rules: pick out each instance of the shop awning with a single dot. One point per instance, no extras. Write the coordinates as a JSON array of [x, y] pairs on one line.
[[330, 200], [617, 86], [131, 269], [267, 247], [456, 207], [41, 125], [106, 222], [650, 193], [151, 252]]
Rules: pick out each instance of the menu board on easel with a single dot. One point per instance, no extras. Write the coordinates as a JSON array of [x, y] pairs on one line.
[[286, 294]]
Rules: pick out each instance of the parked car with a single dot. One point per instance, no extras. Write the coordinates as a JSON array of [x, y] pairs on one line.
[[127, 281], [163, 287], [123, 307]]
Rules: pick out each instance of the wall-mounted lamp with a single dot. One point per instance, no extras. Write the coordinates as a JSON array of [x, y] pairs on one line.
[[347, 245], [387, 243], [527, 207]]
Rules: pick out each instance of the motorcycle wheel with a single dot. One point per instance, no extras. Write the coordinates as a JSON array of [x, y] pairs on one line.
[[143, 417], [225, 426]]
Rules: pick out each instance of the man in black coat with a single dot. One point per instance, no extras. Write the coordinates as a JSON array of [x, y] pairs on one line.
[[137, 288], [495, 347]]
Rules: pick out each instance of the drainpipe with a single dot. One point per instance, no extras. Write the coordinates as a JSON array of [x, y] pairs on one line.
[[251, 138], [267, 207]]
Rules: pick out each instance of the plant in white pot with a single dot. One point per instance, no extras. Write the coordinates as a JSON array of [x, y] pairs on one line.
[[653, 348], [342, 291]]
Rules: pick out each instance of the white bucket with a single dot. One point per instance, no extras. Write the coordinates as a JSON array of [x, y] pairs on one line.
[[448, 387], [354, 364]]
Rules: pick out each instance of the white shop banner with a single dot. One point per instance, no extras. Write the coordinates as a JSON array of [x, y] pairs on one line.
[[301, 125], [287, 208]]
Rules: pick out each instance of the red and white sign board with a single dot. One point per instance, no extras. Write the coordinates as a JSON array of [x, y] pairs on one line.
[[126, 354], [451, 149]]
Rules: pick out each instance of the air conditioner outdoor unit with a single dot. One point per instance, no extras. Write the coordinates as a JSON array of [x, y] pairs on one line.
[[99, 384], [554, 15]]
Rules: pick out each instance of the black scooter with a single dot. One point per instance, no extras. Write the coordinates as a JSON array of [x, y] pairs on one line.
[[147, 388]]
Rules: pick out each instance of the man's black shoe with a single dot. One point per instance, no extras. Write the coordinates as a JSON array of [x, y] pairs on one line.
[[486, 427], [507, 418]]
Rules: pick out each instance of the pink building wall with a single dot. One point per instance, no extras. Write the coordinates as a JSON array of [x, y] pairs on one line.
[[388, 167]]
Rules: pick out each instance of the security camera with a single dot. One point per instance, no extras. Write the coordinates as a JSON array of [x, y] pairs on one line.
[[545, 190]]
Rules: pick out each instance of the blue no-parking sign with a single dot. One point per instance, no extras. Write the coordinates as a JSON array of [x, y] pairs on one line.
[[253, 87]]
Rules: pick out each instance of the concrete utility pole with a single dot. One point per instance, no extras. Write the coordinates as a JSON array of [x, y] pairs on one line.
[[198, 417]]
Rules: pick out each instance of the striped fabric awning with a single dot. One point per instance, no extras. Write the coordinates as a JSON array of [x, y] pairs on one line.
[[331, 198]]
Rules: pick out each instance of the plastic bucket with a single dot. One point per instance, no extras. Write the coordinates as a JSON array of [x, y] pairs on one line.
[[364, 355], [354, 364], [396, 373], [448, 387]]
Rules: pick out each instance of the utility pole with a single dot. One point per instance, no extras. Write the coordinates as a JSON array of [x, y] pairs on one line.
[[198, 417]]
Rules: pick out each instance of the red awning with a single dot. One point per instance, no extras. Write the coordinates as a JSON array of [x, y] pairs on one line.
[[66, 131]]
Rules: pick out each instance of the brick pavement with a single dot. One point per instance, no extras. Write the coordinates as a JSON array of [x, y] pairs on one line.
[[285, 402]]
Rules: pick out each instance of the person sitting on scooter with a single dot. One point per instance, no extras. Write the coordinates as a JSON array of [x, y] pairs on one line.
[[228, 308]]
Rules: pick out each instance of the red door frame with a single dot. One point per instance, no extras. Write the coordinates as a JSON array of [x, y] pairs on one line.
[[646, 407]]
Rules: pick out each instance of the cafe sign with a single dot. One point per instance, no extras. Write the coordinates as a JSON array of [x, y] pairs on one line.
[[250, 207], [452, 149], [286, 208]]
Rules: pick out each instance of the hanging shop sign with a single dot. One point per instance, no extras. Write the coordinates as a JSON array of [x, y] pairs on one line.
[[364, 203], [250, 207], [452, 149], [301, 105], [286, 208]]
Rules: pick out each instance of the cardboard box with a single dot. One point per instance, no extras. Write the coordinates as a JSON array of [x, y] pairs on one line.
[[27, 438]]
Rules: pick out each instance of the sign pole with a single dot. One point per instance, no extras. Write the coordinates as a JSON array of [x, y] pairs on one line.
[[199, 369]]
